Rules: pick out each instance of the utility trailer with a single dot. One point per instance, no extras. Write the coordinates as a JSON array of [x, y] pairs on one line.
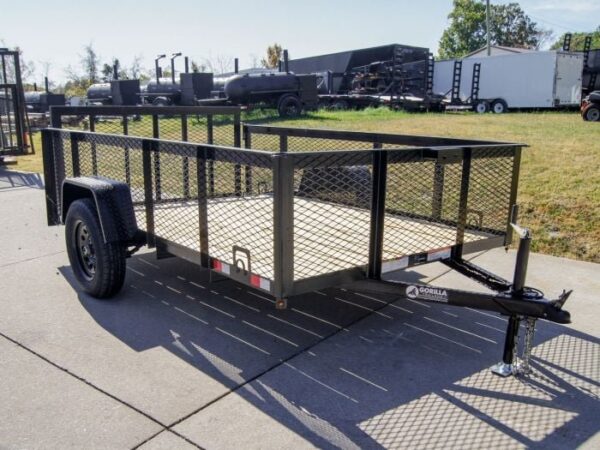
[[410, 103], [295, 210], [547, 79]]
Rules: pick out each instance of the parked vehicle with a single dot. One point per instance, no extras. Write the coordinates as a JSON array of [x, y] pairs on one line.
[[301, 218], [590, 107], [547, 79]]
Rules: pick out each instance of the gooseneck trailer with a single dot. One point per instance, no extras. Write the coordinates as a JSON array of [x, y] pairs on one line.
[[288, 211]]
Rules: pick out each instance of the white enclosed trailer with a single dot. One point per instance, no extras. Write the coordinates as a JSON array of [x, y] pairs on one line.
[[546, 79]]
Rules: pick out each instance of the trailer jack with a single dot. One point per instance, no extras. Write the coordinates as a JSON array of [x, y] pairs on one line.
[[515, 300]]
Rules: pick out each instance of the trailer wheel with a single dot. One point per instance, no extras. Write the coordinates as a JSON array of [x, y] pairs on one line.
[[591, 113], [323, 104], [499, 106], [340, 105], [289, 106], [99, 267], [481, 107], [160, 101]]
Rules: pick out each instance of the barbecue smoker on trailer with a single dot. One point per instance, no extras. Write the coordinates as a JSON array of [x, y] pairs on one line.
[[328, 208], [289, 93]]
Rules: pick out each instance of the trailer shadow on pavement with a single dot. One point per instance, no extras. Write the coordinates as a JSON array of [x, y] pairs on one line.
[[339, 369], [10, 179]]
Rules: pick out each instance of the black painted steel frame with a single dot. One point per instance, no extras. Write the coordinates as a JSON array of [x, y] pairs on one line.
[[283, 164], [509, 298]]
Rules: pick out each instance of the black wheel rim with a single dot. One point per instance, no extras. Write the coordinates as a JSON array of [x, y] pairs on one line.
[[86, 253], [291, 110], [594, 115]]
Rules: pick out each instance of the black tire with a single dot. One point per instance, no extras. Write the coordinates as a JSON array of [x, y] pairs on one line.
[[340, 105], [592, 113], [323, 104], [499, 106], [481, 107], [160, 101], [99, 267], [289, 106]]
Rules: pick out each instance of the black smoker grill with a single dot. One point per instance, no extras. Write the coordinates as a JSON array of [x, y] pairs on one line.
[[297, 210]]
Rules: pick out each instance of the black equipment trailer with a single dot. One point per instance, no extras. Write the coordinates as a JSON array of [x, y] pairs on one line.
[[294, 210], [289, 93]]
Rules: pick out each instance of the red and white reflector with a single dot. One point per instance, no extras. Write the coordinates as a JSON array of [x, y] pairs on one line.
[[220, 266], [260, 282]]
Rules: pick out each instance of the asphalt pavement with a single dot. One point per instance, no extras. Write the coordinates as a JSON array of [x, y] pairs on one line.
[[182, 360]]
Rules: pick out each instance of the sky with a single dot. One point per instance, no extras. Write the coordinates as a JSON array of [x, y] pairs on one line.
[[56, 31]]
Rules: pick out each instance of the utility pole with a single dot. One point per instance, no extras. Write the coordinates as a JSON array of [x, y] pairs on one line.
[[487, 26]]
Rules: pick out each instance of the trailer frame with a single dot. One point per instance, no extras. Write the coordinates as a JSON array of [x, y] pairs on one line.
[[296, 210]]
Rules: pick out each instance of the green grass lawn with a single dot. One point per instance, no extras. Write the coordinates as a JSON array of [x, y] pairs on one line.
[[559, 188]]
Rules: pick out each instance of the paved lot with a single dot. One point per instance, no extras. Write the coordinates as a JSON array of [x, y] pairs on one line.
[[177, 361]]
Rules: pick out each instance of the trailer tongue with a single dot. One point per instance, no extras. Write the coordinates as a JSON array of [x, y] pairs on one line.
[[295, 210], [515, 300]]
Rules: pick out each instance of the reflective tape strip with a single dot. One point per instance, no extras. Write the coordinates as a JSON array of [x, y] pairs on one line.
[[443, 253], [390, 266]]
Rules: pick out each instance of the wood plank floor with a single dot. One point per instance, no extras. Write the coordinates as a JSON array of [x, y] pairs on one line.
[[327, 237]]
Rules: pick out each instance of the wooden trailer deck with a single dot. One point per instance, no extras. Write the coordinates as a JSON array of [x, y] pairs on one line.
[[327, 237]]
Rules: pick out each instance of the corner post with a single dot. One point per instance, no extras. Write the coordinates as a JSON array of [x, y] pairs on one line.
[[378, 191], [463, 202], [283, 227], [147, 152], [50, 182]]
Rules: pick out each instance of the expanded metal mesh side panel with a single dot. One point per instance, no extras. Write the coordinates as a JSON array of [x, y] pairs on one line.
[[115, 125], [272, 142], [240, 210], [422, 206], [332, 213], [224, 130], [304, 144], [175, 194], [218, 129], [490, 189], [266, 142]]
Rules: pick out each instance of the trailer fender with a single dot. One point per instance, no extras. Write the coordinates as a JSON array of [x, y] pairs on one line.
[[113, 204]]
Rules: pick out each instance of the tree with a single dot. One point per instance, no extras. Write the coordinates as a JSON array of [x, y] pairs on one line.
[[274, 52], [218, 63], [107, 72], [509, 26], [578, 39], [198, 67], [136, 70], [90, 62]]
